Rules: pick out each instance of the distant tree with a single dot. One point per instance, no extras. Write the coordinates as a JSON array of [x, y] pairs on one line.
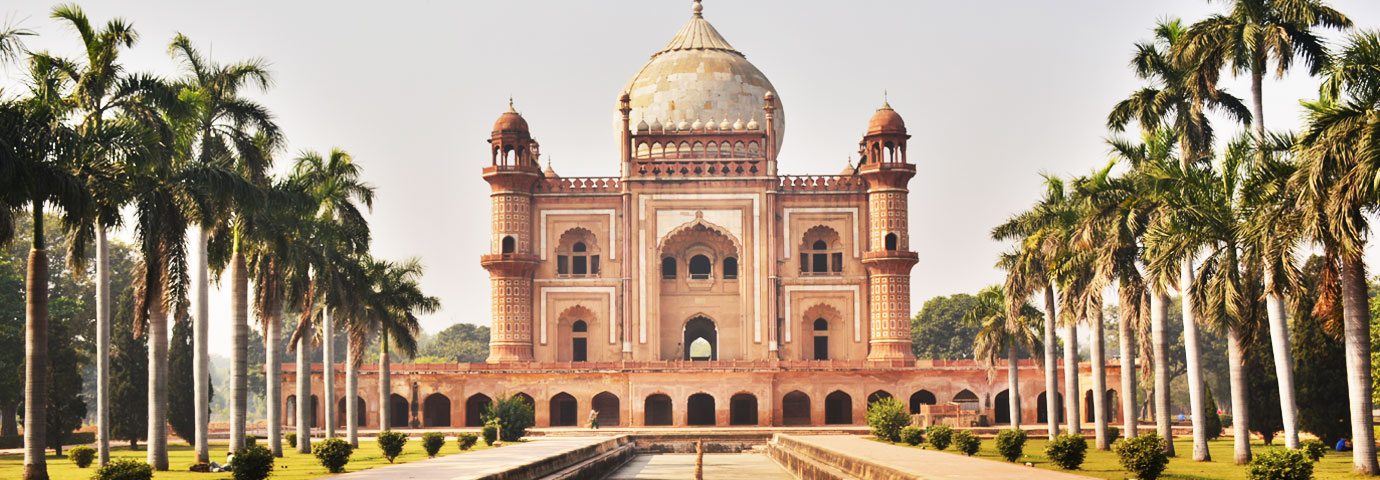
[[11, 333], [181, 404], [939, 332], [462, 342], [128, 374], [66, 356], [1266, 417]]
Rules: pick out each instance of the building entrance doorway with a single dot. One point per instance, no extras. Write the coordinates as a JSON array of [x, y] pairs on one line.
[[701, 339]]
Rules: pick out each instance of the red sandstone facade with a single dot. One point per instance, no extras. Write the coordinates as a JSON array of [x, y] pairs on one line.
[[699, 286]]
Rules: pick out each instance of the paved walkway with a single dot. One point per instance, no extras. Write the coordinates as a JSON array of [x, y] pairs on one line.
[[725, 466], [931, 464], [475, 464]]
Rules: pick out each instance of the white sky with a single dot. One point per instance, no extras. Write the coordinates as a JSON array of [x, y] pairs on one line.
[[993, 93]]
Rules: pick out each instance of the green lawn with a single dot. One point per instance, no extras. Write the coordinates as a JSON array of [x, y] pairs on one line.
[[292, 466], [1103, 464]]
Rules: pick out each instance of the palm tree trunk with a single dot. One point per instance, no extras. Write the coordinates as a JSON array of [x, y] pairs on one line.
[[1051, 366], [328, 369], [239, 347], [158, 381], [201, 371], [1358, 375], [1194, 365], [1284, 367], [1127, 343], [351, 396], [1159, 319], [1071, 391], [1013, 396], [304, 410], [102, 346], [36, 355], [274, 383], [385, 388], [1099, 378], [1240, 420]]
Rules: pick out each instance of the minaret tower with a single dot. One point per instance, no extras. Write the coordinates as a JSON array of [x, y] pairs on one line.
[[510, 262], [888, 257]]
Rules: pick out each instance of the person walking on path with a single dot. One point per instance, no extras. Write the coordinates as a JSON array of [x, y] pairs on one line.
[[593, 419]]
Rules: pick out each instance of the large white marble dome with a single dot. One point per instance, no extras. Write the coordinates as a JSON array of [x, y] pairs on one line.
[[698, 76]]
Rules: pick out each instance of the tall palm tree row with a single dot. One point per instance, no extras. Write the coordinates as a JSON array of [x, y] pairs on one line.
[[391, 307], [1001, 334]]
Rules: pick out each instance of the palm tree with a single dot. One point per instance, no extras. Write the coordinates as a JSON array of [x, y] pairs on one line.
[[1246, 40], [1002, 334], [37, 168], [1340, 152], [1179, 97], [1041, 234], [392, 309], [335, 186], [220, 126]]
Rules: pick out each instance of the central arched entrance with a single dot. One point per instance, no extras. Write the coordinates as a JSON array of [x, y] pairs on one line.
[[657, 410], [699, 410], [398, 411], [795, 408], [563, 411], [436, 411], [475, 408], [742, 409], [701, 339], [838, 408]]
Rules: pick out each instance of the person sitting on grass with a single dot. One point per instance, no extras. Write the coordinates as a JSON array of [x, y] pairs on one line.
[[1344, 445]]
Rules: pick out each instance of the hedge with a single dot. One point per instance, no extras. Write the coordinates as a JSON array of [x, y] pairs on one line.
[[74, 438]]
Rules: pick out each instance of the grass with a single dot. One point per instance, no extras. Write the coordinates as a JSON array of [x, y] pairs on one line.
[[293, 465], [1104, 464]]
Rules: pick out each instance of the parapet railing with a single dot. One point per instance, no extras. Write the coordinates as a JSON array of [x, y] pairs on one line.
[[579, 185], [822, 183], [685, 365], [722, 167]]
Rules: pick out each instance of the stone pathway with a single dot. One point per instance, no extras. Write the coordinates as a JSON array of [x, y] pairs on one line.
[[475, 464], [930, 464], [726, 466]]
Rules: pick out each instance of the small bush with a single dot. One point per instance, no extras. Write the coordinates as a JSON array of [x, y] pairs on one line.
[[1212, 423], [466, 440], [490, 433], [1225, 419], [940, 436], [250, 440], [1143, 456], [432, 442], [1314, 449], [334, 453], [1113, 434], [291, 439], [1011, 444], [253, 462], [513, 417], [887, 416], [1067, 451], [966, 442], [391, 444], [82, 456], [913, 435], [124, 469], [1280, 464]]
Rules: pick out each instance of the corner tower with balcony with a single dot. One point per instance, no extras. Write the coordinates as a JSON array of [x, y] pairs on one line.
[[884, 167], [512, 174]]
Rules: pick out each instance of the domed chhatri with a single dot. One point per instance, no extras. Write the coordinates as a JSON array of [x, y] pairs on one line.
[[886, 120], [510, 121], [698, 74]]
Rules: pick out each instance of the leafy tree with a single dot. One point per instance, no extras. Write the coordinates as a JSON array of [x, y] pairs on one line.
[[939, 331], [1266, 416], [11, 333], [67, 355], [462, 342], [513, 416], [181, 404], [1319, 354], [128, 374]]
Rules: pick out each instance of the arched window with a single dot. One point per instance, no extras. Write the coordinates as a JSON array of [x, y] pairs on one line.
[[725, 151], [577, 254], [821, 252], [700, 267], [579, 341], [739, 150], [668, 268], [730, 268], [753, 150], [509, 244], [891, 242], [821, 339]]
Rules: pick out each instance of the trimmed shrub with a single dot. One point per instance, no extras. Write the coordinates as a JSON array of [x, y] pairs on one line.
[[466, 440], [913, 435], [291, 439], [490, 433], [966, 442], [513, 417], [82, 456], [250, 439], [1280, 464], [1314, 449], [1011, 444], [1143, 455], [124, 469], [334, 453], [432, 442], [1212, 423], [940, 436], [887, 416], [1113, 434], [253, 462], [1067, 451], [391, 444]]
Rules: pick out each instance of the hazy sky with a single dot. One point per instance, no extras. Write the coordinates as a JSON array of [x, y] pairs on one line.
[[993, 92]]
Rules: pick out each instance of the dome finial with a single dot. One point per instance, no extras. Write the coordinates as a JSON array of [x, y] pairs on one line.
[[886, 103], [510, 104], [699, 7]]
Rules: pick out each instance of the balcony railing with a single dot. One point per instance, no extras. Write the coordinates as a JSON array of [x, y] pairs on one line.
[[724, 167], [579, 185], [822, 183]]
